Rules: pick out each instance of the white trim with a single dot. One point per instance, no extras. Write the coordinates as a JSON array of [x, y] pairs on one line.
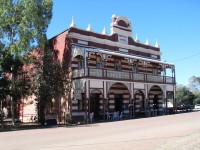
[[149, 87], [123, 50], [111, 43]]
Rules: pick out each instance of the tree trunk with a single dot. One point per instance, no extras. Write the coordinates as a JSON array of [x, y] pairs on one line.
[[12, 111], [42, 114], [12, 100]]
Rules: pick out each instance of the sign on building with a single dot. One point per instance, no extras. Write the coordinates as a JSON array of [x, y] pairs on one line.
[[123, 39]]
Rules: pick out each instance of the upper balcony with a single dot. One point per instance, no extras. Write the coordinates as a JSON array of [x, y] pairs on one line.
[[122, 75], [103, 64]]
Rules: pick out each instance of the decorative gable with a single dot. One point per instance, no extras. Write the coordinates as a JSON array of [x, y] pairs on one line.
[[121, 26]]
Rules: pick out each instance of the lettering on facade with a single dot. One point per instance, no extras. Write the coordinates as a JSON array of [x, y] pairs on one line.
[[82, 42], [123, 39]]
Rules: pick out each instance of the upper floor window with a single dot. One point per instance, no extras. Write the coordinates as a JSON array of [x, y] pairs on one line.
[[134, 68], [99, 62], [155, 71], [117, 65], [81, 63]]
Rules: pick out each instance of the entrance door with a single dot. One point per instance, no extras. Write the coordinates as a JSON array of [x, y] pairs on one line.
[[118, 102], [155, 102], [94, 105]]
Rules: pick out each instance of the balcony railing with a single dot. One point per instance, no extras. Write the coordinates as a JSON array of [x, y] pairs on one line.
[[117, 74], [78, 73], [105, 73]]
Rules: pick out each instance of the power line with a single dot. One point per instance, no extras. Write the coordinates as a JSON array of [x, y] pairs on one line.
[[186, 57]]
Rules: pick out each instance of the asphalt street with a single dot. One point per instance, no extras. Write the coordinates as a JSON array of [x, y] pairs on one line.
[[138, 134]]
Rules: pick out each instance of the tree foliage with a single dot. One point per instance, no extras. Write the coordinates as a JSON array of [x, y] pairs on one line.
[[23, 25], [184, 95], [197, 100], [194, 84], [9, 62], [48, 80], [4, 88]]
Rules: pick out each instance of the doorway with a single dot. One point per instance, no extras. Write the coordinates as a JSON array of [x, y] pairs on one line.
[[156, 99], [94, 105], [118, 102], [155, 102]]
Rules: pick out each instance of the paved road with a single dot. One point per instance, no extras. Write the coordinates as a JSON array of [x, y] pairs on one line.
[[147, 133]]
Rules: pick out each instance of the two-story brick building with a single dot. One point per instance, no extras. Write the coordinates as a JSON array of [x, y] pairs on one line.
[[114, 73]]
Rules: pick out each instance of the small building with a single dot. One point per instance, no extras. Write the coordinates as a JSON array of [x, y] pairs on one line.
[[113, 73]]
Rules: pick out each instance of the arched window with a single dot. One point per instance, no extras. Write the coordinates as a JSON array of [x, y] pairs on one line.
[[81, 62]]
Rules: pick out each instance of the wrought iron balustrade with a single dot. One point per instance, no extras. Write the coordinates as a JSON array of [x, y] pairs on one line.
[[170, 80], [78, 73], [138, 76], [117, 74], [95, 72], [153, 78], [107, 73]]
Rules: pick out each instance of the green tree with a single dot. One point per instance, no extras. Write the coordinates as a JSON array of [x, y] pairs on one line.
[[23, 25], [194, 84], [4, 91], [184, 95], [49, 82], [20, 85], [66, 69], [197, 98], [4, 88]]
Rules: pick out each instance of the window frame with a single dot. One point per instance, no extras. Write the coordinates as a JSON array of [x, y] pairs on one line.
[[118, 65], [134, 68], [155, 71], [98, 62], [81, 63]]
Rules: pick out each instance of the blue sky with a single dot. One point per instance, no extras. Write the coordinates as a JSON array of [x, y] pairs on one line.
[[174, 23]]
